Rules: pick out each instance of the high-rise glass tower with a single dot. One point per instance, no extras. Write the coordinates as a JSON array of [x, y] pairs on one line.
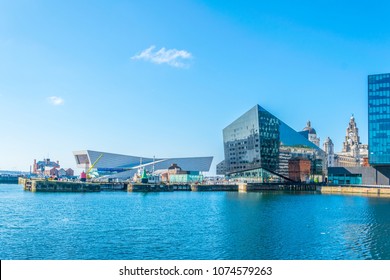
[[379, 119]]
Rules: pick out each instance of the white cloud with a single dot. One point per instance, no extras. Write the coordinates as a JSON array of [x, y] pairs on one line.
[[55, 100], [171, 57]]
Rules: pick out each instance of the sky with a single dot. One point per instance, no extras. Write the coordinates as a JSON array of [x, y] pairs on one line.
[[163, 78]]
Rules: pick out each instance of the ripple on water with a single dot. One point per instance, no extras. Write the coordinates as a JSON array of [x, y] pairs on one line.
[[185, 225]]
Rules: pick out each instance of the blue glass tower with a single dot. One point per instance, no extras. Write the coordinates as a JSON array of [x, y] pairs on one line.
[[379, 119]]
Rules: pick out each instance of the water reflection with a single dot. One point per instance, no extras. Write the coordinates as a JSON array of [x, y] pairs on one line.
[[187, 225]]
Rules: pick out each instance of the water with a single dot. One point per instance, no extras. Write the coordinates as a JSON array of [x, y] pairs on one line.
[[192, 225]]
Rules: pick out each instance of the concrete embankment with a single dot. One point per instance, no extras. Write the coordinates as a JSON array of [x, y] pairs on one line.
[[8, 179], [253, 187], [40, 185], [149, 188], [214, 188], [55, 186], [358, 190]]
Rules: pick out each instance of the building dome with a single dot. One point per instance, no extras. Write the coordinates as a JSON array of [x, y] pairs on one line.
[[309, 128]]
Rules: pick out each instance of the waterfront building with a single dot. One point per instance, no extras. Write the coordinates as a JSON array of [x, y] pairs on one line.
[[353, 153], [39, 167], [69, 172], [352, 139], [299, 169], [123, 167], [221, 168], [329, 150], [61, 172], [311, 134], [50, 171], [48, 168], [260, 147], [379, 119], [176, 175], [342, 160], [375, 170]]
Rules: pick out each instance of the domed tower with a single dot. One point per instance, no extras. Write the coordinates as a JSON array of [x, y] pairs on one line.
[[311, 134], [329, 150]]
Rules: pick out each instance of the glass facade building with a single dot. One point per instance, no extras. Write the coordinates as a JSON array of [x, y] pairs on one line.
[[260, 147], [379, 119]]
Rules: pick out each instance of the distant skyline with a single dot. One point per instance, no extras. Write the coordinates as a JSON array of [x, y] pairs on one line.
[[163, 78]]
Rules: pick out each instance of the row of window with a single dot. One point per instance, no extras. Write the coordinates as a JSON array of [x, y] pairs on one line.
[[269, 135], [379, 112], [373, 78], [376, 133], [351, 179], [379, 159], [378, 94], [378, 101], [379, 136], [376, 86], [234, 163], [237, 167], [236, 144]]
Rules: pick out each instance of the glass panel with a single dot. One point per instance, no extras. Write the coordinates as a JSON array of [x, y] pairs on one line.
[[283, 151], [378, 119]]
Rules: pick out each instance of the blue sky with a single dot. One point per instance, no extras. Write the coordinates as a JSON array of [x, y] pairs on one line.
[[163, 78]]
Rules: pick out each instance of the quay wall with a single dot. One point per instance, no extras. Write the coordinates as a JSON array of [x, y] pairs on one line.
[[253, 187], [214, 188], [181, 187], [113, 186], [40, 185], [149, 188], [53, 186], [56, 186], [9, 179], [25, 182], [361, 190]]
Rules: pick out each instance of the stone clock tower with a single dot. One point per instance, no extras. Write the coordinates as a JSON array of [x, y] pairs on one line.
[[352, 139]]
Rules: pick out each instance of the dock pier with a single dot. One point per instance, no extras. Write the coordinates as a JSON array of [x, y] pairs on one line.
[[149, 188], [214, 188], [358, 190], [58, 186], [8, 179], [41, 185], [253, 187]]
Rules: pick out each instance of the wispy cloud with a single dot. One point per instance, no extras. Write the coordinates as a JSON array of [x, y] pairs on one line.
[[55, 100], [172, 57]]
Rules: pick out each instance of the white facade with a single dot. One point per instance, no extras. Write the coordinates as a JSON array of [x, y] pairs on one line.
[[329, 150], [353, 152], [311, 134], [124, 166]]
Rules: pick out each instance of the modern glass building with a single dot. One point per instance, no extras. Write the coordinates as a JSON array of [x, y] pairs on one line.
[[260, 147], [379, 119]]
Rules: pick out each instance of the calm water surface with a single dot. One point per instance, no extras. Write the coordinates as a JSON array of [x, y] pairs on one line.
[[191, 225]]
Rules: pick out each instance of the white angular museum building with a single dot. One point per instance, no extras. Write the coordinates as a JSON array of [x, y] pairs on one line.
[[125, 166]]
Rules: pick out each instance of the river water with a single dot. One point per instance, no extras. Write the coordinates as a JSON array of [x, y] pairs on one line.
[[192, 226]]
